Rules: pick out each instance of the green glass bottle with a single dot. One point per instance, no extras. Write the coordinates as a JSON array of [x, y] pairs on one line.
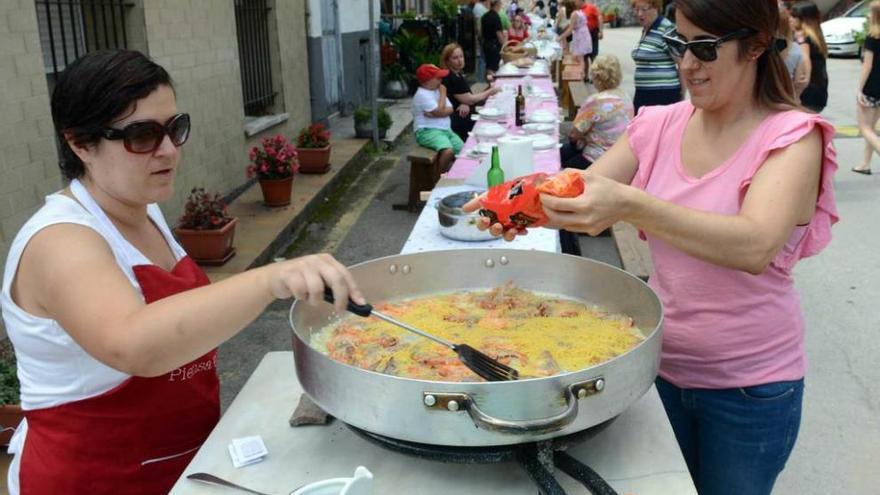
[[495, 175]]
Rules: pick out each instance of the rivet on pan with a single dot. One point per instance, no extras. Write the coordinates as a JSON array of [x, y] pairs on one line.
[[504, 260], [406, 269], [490, 263], [582, 393], [430, 400], [452, 405], [600, 384], [392, 269]]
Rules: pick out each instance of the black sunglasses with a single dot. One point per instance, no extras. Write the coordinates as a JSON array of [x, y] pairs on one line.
[[705, 50], [145, 136]]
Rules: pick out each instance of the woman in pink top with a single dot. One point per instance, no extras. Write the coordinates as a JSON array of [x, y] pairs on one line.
[[730, 189]]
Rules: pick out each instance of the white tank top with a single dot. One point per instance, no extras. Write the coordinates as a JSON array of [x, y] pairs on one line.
[[52, 368]]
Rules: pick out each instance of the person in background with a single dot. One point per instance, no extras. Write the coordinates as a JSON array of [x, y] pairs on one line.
[[553, 8], [115, 328], [431, 110], [868, 99], [792, 54], [656, 75], [459, 91], [512, 7], [731, 188], [480, 8], [602, 119], [518, 30], [594, 24], [494, 36], [581, 44], [539, 9], [505, 19], [805, 21], [527, 21], [562, 17]]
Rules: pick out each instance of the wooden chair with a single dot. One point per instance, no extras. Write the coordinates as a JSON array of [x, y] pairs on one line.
[[578, 92], [424, 172], [572, 73], [635, 257]]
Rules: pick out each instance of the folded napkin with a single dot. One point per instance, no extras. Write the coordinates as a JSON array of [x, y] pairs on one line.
[[308, 413]]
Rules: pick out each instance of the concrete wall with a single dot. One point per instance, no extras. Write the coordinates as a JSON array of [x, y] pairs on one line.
[[199, 48], [354, 23]]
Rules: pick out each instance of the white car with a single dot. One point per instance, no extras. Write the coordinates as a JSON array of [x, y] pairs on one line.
[[840, 31]]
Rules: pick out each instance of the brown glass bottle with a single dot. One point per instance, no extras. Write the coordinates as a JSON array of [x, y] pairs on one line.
[[520, 108]]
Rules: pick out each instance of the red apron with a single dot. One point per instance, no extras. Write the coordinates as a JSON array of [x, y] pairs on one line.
[[136, 438]]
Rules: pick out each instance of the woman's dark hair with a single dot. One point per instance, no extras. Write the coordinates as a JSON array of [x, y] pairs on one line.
[[811, 23], [773, 85], [95, 90]]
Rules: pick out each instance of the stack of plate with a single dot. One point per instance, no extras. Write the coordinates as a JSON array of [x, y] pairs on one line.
[[488, 132], [543, 142], [490, 113], [536, 128], [542, 117]]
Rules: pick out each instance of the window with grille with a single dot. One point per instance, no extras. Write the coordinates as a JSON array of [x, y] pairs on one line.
[[70, 28], [254, 50]]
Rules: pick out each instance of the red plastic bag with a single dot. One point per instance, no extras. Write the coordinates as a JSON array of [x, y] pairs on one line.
[[517, 204]]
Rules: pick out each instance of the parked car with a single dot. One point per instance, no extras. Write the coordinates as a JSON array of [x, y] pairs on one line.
[[840, 31]]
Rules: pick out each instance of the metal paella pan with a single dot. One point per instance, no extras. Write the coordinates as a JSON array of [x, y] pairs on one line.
[[483, 413]]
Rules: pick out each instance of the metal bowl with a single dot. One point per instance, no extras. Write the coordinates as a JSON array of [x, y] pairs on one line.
[[456, 224], [483, 413]]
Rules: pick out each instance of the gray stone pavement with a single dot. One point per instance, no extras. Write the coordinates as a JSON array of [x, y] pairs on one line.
[[839, 440]]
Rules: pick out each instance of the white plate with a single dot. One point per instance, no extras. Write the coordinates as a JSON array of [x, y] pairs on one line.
[[542, 117], [538, 128], [490, 112], [482, 148], [542, 142], [489, 131]]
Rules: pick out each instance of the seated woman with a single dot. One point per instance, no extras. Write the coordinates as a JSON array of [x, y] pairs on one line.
[[601, 120], [459, 91], [518, 30]]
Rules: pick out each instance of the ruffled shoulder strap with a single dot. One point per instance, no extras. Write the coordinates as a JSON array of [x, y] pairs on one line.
[[786, 129]]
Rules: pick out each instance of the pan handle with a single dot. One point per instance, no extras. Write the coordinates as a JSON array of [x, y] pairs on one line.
[[574, 392]]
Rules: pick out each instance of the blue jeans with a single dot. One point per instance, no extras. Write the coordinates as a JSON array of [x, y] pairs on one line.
[[735, 441]]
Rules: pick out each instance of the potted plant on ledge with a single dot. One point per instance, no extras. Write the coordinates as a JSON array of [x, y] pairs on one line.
[[396, 81], [363, 125], [10, 409], [313, 149], [274, 166], [205, 230]]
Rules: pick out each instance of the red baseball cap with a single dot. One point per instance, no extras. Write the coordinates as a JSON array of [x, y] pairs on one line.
[[426, 72]]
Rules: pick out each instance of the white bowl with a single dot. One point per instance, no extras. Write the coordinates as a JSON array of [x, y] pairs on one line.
[[543, 142], [490, 112], [489, 131], [542, 117], [535, 128]]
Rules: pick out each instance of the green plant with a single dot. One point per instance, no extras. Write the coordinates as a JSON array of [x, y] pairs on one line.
[[9, 386], [861, 35], [409, 14], [313, 136], [277, 159], [203, 211], [396, 72], [410, 48], [444, 9], [363, 115]]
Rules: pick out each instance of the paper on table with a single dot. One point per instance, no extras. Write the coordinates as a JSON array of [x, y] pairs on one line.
[[478, 176]]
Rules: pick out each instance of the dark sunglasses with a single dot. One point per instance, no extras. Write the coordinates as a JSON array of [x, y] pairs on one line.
[[145, 136], [705, 50]]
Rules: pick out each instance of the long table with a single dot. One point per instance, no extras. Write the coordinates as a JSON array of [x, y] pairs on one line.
[[426, 236]]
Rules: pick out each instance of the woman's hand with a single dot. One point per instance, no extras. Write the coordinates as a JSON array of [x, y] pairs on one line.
[[495, 229], [464, 111], [599, 207], [305, 278]]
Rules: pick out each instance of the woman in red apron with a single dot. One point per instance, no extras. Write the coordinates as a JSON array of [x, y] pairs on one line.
[[114, 327]]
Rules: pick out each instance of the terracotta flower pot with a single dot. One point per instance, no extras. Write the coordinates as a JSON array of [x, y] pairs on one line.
[[314, 160], [208, 247], [276, 192], [10, 417]]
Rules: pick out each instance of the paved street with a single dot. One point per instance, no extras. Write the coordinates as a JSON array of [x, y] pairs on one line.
[[840, 435]]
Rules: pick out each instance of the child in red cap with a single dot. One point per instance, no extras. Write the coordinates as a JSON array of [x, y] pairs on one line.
[[431, 110]]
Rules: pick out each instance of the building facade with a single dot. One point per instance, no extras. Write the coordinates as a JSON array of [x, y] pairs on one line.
[[240, 69]]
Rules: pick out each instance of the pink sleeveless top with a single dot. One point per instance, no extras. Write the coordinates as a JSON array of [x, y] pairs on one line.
[[725, 328]]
